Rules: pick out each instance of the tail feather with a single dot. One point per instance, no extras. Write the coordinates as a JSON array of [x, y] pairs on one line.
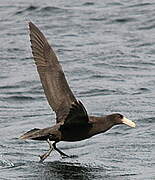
[[35, 134]]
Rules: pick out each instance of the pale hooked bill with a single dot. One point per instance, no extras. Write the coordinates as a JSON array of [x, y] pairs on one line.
[[128, 122]]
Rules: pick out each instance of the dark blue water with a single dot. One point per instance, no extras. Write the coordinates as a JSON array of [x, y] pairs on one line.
[[107, 50]]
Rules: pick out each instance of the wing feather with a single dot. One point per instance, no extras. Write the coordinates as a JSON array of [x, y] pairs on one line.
[[56, 88], [77, 118]]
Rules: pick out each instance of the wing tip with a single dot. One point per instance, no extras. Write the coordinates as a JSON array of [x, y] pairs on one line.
[[31, 25]]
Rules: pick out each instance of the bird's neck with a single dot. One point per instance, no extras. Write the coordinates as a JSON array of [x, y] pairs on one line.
[[99, 125]]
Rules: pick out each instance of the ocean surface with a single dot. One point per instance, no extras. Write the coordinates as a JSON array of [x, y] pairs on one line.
[[107, 50]]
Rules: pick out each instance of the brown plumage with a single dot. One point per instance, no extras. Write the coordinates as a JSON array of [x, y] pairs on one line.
[[72, 120]]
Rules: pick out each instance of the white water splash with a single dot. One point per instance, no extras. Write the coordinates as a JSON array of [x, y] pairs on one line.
[[5, 162]]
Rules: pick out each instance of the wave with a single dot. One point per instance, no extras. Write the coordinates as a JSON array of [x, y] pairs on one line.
[[51, 8], [18, 98], [99, 92], [27, 9], [123, 20]]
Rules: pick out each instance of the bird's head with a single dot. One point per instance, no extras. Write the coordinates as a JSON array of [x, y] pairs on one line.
[[120, 119]]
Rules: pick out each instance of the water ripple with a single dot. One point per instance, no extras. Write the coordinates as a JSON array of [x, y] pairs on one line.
[[18, 98], [27, 9], [123, 20]]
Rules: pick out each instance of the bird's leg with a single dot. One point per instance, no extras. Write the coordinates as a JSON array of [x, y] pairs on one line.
[[58, 150], [44, 156]]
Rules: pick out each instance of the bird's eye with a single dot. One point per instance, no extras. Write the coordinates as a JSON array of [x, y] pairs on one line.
[[51, 135], [121, 116]]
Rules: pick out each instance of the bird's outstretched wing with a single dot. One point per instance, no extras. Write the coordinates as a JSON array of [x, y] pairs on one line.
[[56, 88]]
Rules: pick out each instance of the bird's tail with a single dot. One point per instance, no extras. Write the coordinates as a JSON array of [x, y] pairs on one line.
[[36, 134]]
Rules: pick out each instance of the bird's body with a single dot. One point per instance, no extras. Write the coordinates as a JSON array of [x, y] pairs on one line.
[[96, 125], [72, 120]]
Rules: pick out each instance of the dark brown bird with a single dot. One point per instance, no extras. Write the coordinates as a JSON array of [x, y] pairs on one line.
[[72, 120]]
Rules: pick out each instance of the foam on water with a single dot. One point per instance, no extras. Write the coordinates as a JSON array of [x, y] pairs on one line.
[[5, 162]]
